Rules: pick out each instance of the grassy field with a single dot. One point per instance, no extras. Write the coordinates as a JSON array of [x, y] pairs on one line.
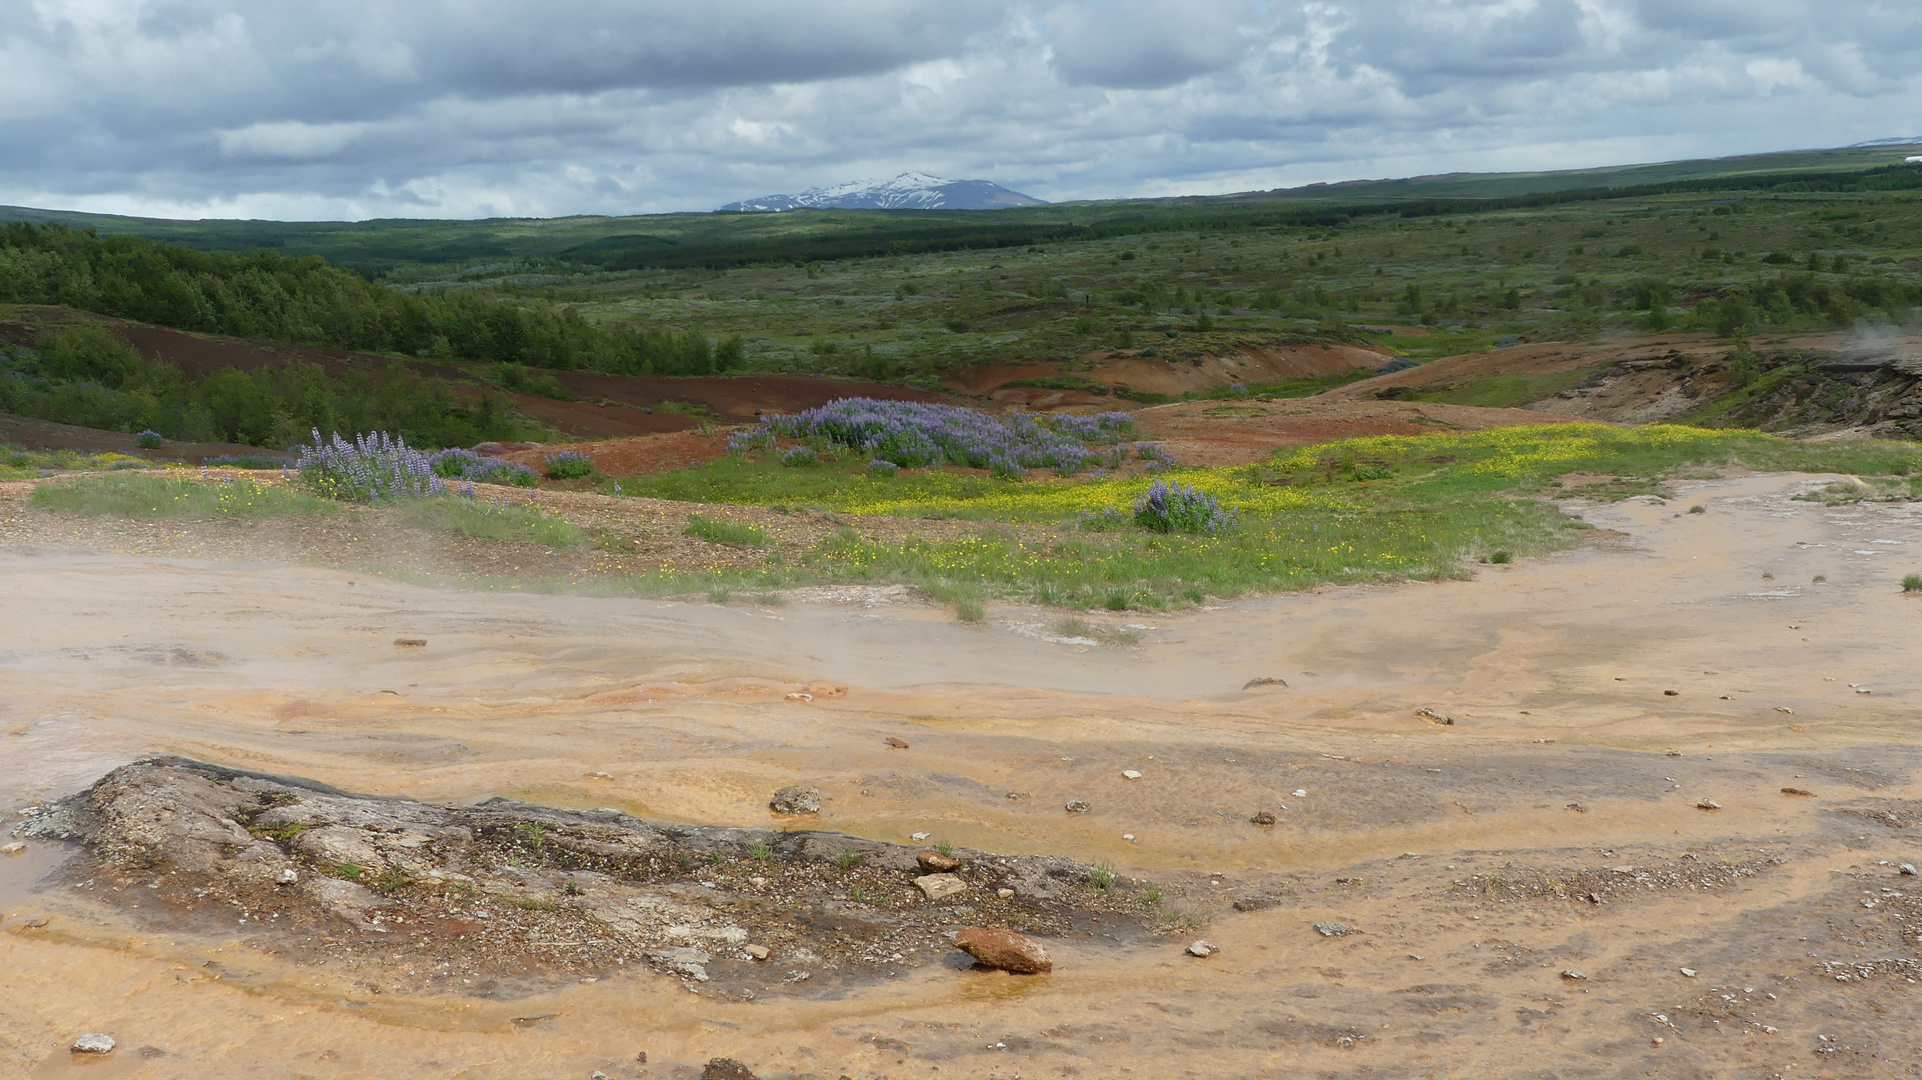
[[1429, 267], [1369, 509]]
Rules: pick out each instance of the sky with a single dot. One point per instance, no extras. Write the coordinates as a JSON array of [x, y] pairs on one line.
[[352, 109]]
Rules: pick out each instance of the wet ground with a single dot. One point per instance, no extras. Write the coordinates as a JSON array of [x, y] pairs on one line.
[[1583, 875]]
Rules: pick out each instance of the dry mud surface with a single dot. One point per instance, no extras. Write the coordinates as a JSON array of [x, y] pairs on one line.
[[1535, 890]]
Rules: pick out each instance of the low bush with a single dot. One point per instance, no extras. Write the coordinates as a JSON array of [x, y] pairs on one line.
[[148, 440], [1180, 508], [569, 465], [374, 467]]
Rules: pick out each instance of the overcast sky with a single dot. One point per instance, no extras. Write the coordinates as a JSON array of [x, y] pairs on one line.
[[461, 108]]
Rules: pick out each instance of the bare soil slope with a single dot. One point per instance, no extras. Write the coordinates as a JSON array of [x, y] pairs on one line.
[[1128, 369]]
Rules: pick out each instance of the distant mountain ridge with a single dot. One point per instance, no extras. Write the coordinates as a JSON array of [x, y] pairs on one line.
[[908, 191]]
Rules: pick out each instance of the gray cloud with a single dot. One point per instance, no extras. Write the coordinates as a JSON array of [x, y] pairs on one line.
[[357, 108]]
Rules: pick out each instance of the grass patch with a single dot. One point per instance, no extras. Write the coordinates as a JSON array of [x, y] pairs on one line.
[[489, 521], [1912, 583], [139, 495], [718, 531], [1499, 391]]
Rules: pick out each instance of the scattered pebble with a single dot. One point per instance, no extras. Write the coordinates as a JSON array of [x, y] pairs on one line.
[[1785, 710], [93, 1043], [1004, 893], [1577, 807], [936, 863], [1128, 836], [1130, 774], [1573, 975], [1203, 949], [1263, 817], [1708, 804], [13, 848], [1690, 972], [1301, 793], [920, 836], [288, 876], [758, 952], [800, 696], [1671, 693], [796, 799], [897, 743], [1075, 806], [1333, 929], [1906, 869], [1800, 792], [1434, 717]]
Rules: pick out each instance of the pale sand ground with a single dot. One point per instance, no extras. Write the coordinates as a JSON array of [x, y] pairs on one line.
[[107, 657]]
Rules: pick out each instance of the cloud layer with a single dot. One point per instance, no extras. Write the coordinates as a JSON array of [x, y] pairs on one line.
[[507, 107]]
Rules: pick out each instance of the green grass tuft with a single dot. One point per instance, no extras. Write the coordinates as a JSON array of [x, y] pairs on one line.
[[469, 517], [719, 531], [133, 495]]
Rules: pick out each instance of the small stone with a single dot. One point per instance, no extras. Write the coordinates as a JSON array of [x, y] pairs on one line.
[[1690, 972], [758, 952], [1708, 804], [1333, 929], [940, 886], [1078, 806], [1434, 717], [93, 1043], [1577, 807], [758, 882], [1301, 793], [897, 743], [1802, 793], [1266, 680], [796, 799], [599, 1075], [1203, 949], [1785, 710], [1671, 693], [13, 848], [936, 863], [288, 876], [1573, 975], [682, 960], [920, 836], [1657, 1041], [727, 1069], [1907, 869], [1004, 950], [410, 643], [1130, 774], [1004, 893], [1128, 836], [1262, 817]]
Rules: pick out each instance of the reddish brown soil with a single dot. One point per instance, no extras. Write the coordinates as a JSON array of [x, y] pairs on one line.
[[1245, 432], [637, 456], [735, 398], [45, 435], [1129, 369]]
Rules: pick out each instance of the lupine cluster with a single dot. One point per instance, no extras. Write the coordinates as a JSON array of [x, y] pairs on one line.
[[569, 465], [1180, 508], [459, 464], [915, 434], [148, 440], [373, 468]]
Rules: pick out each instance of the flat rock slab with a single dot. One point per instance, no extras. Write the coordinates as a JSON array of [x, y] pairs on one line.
[[502, 886]]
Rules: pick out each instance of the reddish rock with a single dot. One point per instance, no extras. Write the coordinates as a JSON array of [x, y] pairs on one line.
[[1004, 949], [936, 863]]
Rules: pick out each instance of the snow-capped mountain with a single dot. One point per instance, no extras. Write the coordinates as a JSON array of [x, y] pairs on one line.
[[908, 191]]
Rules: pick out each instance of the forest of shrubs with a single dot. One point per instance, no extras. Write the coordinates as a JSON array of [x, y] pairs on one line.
[[309, 301]]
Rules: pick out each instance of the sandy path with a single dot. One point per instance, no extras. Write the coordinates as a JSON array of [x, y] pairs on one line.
[[1555, 671]]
